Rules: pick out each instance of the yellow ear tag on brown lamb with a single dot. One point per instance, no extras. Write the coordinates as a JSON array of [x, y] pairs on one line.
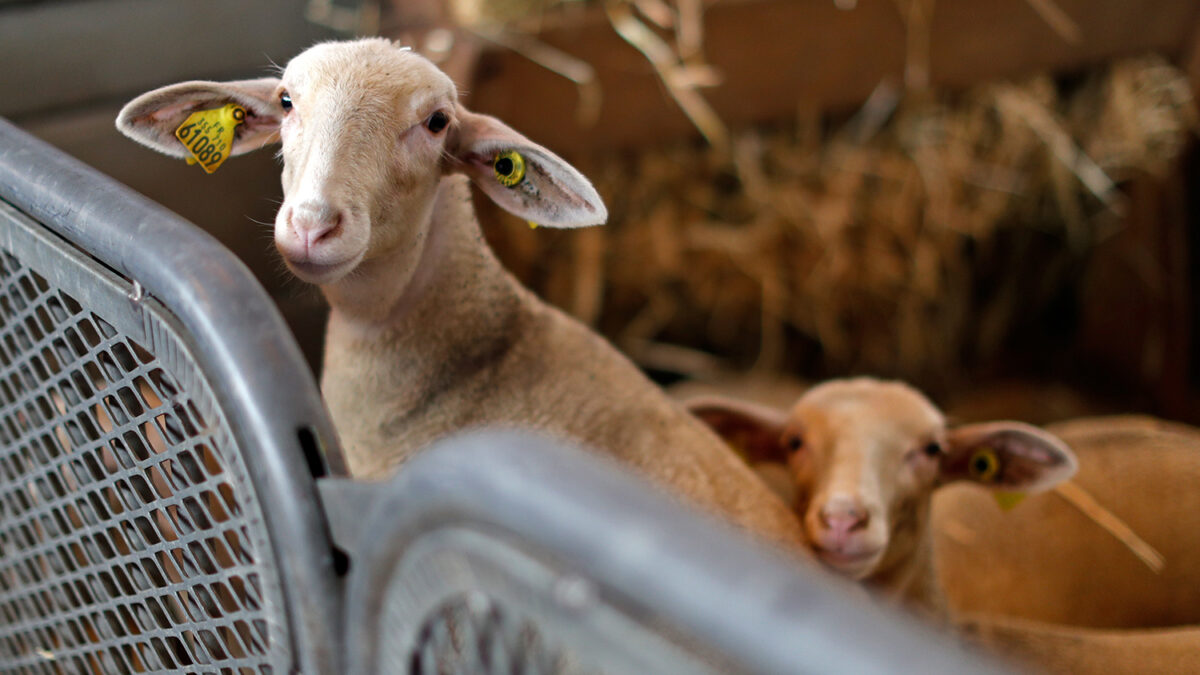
[[1008, 500], [208, 135]]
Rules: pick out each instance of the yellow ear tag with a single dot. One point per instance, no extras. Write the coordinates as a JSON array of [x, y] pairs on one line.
[[533, 225], [984, 465], [208, 134], [509, 167], [1008, 500]]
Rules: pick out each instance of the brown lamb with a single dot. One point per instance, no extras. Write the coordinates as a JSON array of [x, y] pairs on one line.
[[861, 459]]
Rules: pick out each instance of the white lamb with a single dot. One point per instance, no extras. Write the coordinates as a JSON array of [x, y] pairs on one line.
[[428, 334]]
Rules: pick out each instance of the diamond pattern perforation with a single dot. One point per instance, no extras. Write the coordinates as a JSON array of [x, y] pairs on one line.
[[124, 544], [473, 634]]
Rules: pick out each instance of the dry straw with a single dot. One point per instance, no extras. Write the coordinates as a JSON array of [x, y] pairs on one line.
[[907, 240], [910, 240]]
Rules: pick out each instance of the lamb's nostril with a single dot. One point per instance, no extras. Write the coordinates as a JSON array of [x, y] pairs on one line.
[[861, 522], [330, 229], [316, 223]]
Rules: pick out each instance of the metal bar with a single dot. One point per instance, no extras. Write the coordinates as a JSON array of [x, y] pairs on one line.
[[762, 612]]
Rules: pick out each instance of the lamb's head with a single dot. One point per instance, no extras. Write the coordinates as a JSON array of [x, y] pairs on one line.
[[865, 457], [368, 129]]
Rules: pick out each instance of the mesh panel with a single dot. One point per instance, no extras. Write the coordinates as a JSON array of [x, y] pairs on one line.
[[457, 600], [129, 541], [474, 635]]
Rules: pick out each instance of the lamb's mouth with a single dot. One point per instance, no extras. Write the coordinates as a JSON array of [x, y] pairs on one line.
[[320, 272], [853, 563]]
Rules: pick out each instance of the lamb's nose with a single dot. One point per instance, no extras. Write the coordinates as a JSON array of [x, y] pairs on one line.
[[843, 516], [315, 222]]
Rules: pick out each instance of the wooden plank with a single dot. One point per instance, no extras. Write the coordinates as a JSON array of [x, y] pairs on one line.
[[779, 55], [1135, 323]]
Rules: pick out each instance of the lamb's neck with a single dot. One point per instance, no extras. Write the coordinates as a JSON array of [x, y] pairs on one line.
[[416, 316]]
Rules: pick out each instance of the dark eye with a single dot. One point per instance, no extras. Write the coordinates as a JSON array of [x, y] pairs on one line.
[[285, 100], [437, 121], [794, 442], [933, 449]]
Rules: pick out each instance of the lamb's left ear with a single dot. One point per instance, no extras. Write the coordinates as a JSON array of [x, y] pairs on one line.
[[521, 176], [1007, 456]]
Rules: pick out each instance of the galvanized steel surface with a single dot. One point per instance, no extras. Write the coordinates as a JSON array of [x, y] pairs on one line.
[[130, 537], [157, 415], [505, 552]]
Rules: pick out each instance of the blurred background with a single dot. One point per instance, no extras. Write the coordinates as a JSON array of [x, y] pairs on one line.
[[990, 198]]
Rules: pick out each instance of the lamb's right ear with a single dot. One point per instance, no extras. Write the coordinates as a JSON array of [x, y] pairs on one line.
[[524, 178], [152, 118], [754, 431], [1008, 456]]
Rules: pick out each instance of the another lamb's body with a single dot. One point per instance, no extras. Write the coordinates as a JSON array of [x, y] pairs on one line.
[[1047, 561], [1069, 650], [1043, 561], [466, 346]]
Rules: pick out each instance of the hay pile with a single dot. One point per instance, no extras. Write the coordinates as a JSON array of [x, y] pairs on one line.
[[909, 240]]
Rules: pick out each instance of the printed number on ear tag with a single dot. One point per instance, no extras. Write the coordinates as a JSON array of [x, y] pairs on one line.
[[208, 134], [509, 167], [984, 465]]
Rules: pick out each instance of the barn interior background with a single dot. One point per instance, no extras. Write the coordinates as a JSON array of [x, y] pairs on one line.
[[990, 198]]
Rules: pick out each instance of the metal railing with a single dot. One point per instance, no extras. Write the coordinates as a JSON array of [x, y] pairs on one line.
[[501, 552]]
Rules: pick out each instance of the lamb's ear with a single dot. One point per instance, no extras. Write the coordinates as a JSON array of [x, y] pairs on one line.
[[1008, 456], [152, 118], [521, 176], [754, 431]]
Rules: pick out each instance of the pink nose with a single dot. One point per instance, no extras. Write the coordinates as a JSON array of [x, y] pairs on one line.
[[315, 223], [841, 516]]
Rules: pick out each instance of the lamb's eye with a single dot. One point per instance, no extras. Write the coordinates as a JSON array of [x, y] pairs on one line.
[[437, 121], [932, 449], [285, 100], [794, 442]]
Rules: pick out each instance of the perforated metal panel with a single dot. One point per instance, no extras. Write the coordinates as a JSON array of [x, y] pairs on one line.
[[130, 538], [463, 601], [471, 634]]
